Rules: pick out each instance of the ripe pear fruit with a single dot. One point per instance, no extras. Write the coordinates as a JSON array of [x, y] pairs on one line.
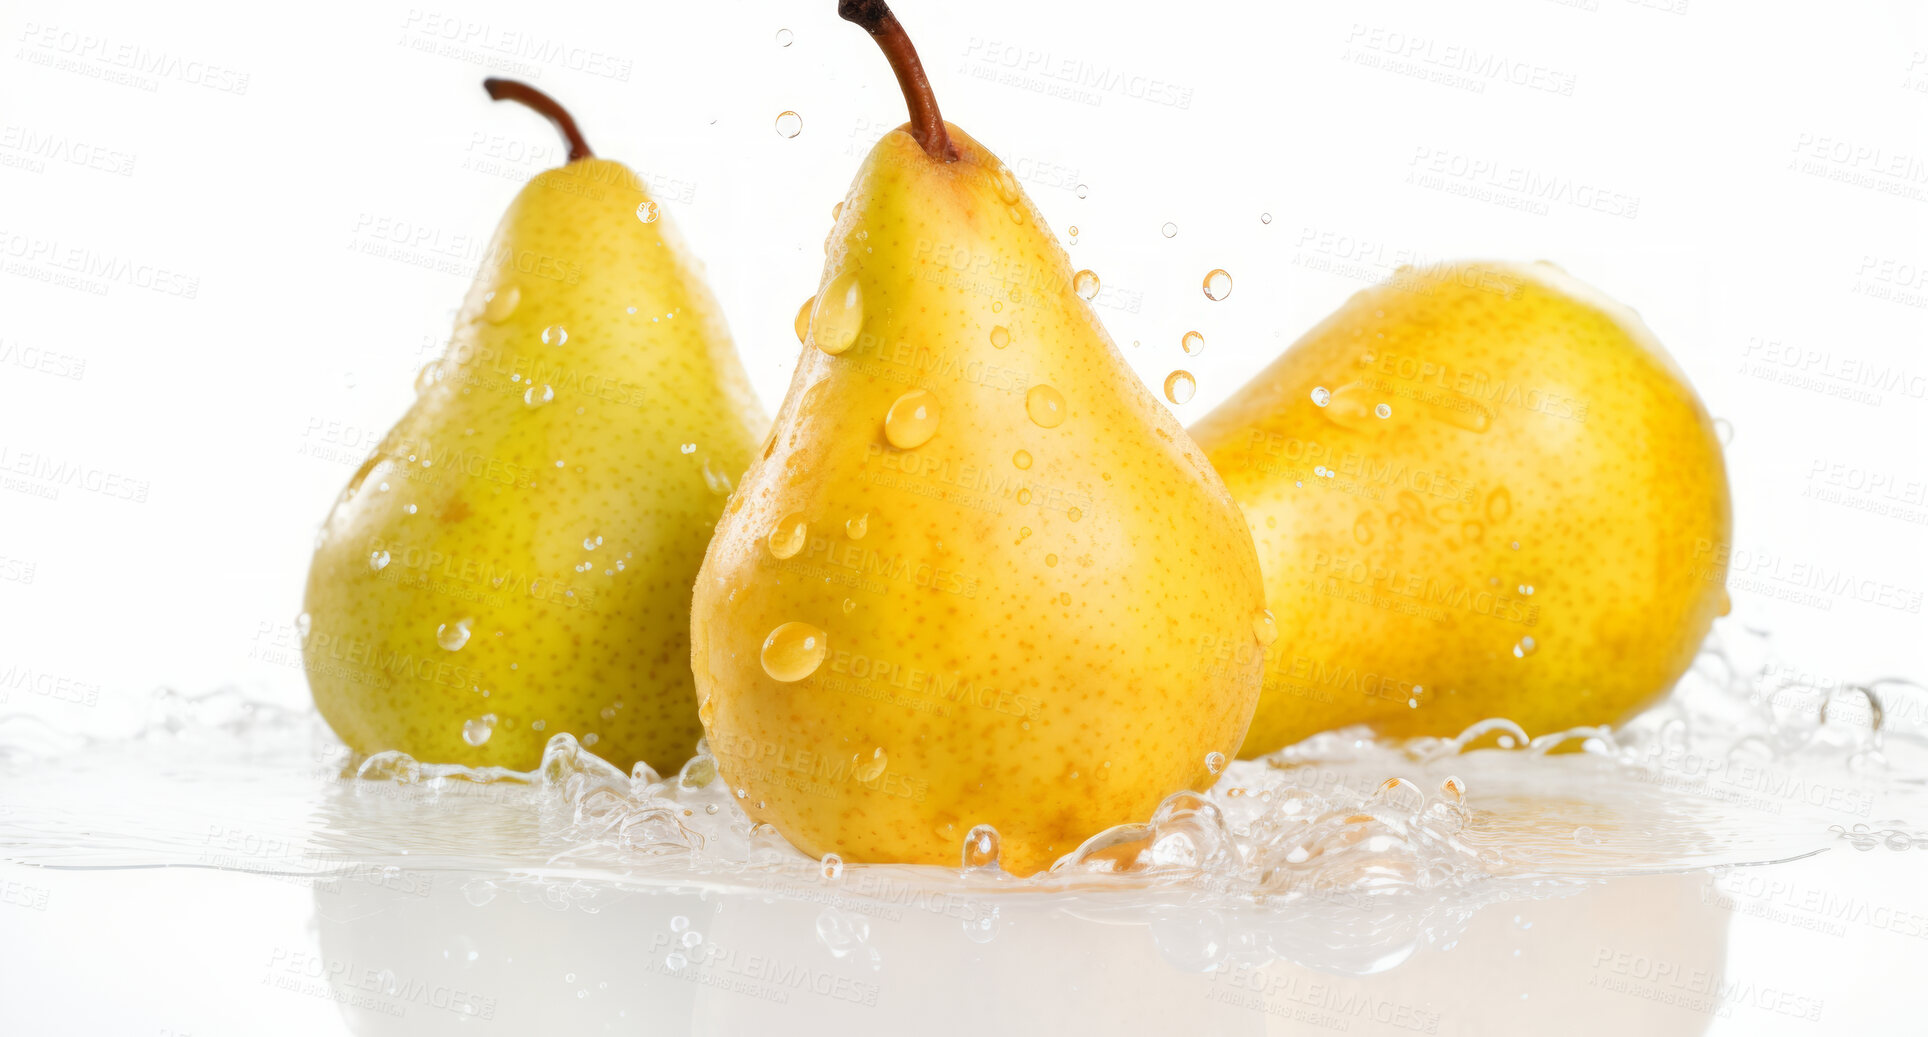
[[978, 575], [1479, 490], [515, 558]]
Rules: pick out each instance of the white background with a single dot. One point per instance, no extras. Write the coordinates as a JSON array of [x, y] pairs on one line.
[[1753, 177]]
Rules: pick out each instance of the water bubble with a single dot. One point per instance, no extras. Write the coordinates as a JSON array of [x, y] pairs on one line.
[[499, 304], [788, 536], [839, 314], [831, 867], [477, 730], [872, 768], [1193, 343], [1074, 234], [1074, 514], [1215, 763], [378, 561], [647, 211], [1024, 495], [1022, 459], [1085, 283], [1082, 191], [785, 37], [912, 420], [1265, 629], [1218, 285], [536, 397], [452, 636], [803, 320], [855, 528], [1321, 396], [1045, 404], [676, 962], [1265, 217], [1169, 230], [1723, 431], [793, 651], [1051, 559], [555, 335], [789, 124], [1585, 836], [1179, 386], [1000, 337], [981, 848], [1384, 410]]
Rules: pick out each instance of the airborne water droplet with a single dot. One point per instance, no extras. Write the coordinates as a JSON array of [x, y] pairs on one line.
[[839, 314], [789, 124], [1179, 386], [912, 420], [1169, 230], [1193, 343], [789, 535], [1265, 217], [1045, 405], [452, 636], [785, 37], [793, 651], [1085, 283], [1218, 285]]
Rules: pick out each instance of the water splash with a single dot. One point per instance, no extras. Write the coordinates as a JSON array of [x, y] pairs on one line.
[[1344, 848]]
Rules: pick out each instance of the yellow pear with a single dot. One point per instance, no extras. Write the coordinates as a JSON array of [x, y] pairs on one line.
[[1478, 490], [978, 575], [515, 558]]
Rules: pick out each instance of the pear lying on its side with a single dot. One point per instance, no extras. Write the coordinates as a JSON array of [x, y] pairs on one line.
[[515, 559], [979, 576], [1478, 491]]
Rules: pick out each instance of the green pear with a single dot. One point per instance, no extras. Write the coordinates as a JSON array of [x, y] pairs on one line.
[[978, 575], [515, 558]]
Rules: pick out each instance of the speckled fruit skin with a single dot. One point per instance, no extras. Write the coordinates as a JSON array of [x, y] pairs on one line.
[[1040, 649], [560, 639], [1524, 407]]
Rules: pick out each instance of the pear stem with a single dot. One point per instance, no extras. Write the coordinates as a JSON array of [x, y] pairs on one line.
[[543, 104], [926, 125]]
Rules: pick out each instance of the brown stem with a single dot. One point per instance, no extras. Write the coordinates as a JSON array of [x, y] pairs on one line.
[[523, 93], [926, 125]]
